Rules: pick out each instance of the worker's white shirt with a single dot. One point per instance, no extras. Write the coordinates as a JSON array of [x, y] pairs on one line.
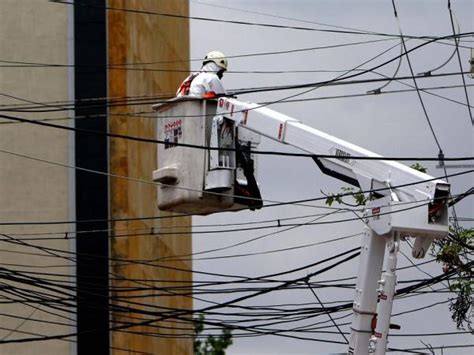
[[206, 81]]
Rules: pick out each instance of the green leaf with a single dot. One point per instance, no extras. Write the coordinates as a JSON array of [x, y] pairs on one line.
[[419, 167], [213, 345]]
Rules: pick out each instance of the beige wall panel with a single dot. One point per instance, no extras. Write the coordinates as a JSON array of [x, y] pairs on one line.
[[141, 38], [33, 31]]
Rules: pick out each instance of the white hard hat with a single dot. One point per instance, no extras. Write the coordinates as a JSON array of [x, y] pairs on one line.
[[216, 57]]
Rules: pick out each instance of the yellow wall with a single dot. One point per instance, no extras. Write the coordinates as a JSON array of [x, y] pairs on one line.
[[141, 38]]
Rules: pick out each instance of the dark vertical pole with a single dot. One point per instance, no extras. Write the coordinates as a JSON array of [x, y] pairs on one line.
[[91, 189]]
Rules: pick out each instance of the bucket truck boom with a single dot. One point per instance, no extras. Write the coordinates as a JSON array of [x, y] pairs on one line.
[[404, 203], [390, 216]]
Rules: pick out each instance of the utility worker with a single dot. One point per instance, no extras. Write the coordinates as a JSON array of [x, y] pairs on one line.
[[206, 83]]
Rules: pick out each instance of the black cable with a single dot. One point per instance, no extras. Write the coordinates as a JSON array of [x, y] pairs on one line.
[[285, 18], [235, 22], [460, 62], [413, 76], [354, 75], [426, 90], [128, 350], [177, 314], [418, 93], [150, 140], [46, 107], [457, 346], [168, 308], [460, 197], [337, 83], [146, 231], [266, 206], [150, 230], [278, 204], [207, 283], [137, 262], [421, 308], [127, 66], [428, 280], [328, 313], [346, 76], [283, 285], [188, 257]]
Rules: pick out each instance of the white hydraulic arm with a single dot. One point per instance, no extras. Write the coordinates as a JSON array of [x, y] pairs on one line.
[[406, 203], [387, 177]]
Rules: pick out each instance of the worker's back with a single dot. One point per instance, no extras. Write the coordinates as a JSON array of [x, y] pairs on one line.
[[207, 81]]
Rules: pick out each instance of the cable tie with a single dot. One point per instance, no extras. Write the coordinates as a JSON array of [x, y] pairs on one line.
[[426, 74], [375, 92]]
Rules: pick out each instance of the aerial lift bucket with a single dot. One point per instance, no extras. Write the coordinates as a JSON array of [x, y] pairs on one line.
[[182, 169], [200, 171]]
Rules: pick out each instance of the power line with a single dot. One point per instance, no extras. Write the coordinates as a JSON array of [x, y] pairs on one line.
[[344, 76], [128, 350], [418, 92], [441, 347], [280, 273], [148, 230], [152, 264], [424, 283], [180, 313], [354, 75], [46, 107], [459, 61], [180, 257], [239, 327], [162, 217], [413, 76], [150, 140], [126, 66], [371, 93], [336, 83], [328, 313], [289, 18], [426, 90], [235, 22], [283, 17]]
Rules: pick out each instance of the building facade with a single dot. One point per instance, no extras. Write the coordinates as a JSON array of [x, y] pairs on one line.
[[80, 228]]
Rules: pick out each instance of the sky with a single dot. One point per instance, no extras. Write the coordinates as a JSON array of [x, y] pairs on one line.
[[388, 124]]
